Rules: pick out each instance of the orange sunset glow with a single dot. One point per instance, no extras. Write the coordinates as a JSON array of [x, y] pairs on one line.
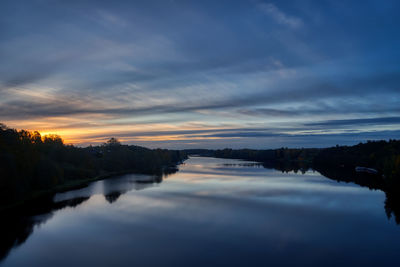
[[199, 133]]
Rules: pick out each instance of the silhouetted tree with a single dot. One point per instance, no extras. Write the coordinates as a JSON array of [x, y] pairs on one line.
[[113, 142], [30, 163]]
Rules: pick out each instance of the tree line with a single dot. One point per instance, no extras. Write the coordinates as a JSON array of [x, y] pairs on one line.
[[337, 162], [31, 163]]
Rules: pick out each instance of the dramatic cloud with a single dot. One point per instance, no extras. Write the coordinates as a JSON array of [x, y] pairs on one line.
[[202, 73]]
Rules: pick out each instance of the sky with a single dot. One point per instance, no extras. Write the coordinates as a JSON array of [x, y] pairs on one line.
[[202, 74]]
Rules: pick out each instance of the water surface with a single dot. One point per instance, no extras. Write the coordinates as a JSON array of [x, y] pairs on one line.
[[213, 211]]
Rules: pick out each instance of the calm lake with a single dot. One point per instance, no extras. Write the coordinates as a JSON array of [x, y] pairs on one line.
[[213, 212]]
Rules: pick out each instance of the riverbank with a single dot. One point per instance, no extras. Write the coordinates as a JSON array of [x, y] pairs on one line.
[[73, 185], [339, 162], [37, 195], [244, 209], [34, 167]]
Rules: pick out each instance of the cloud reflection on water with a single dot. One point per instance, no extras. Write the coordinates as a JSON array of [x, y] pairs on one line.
[[209, 213]]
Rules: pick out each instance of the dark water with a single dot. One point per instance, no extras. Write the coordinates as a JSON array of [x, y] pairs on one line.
[[213, 212]]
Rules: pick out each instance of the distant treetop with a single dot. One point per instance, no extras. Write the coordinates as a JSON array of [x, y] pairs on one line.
[[113, 142]]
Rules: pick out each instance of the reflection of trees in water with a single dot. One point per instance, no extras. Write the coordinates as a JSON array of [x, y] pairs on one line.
[[18, 224], [372, 181], [392, 206], [112, 193], [112, 197]]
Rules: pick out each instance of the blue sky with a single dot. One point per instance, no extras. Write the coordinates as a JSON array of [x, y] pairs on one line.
[[182, 74]]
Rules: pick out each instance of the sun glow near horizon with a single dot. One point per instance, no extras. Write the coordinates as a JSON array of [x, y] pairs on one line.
[[261, 75]]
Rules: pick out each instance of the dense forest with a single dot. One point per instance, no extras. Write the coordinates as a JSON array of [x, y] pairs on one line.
[[31, 164], [383, 156]]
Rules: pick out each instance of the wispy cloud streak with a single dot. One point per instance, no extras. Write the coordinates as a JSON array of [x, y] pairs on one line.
[[279, 16], [190, 72]]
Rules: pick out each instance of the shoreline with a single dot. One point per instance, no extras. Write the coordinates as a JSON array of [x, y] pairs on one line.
[[43, 194]]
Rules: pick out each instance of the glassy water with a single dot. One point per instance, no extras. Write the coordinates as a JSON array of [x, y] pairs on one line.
[[212, 212]]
